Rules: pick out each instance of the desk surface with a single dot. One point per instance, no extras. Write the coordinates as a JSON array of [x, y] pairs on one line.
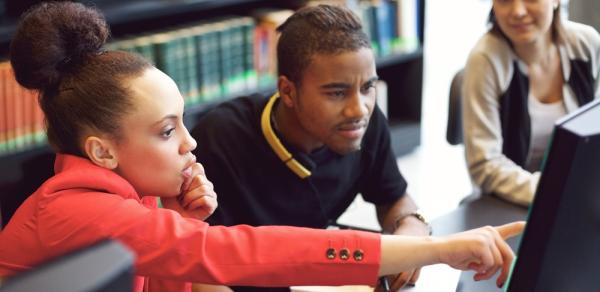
[[486, 210]]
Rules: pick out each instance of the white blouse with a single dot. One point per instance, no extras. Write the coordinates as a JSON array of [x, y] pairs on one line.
[[543, 116]]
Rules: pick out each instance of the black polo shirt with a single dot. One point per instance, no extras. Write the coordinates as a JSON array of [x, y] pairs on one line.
[[255, 187]]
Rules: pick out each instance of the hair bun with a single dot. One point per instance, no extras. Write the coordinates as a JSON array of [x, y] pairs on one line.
[[54, 38]]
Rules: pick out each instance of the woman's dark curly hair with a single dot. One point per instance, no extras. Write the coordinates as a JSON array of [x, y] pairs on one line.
[[58, 50]]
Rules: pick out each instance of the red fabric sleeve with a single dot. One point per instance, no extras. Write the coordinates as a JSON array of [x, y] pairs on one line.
[[176, 248]]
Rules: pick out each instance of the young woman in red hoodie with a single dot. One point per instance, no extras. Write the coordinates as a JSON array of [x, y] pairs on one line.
[[115, 122]]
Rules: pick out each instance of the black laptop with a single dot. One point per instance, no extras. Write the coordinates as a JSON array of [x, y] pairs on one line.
[[560, 248]]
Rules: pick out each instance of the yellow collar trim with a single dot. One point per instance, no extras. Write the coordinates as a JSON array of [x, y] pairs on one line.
[[275, 143]]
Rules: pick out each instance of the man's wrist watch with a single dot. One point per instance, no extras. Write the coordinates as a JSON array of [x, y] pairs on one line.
[[418, 216]]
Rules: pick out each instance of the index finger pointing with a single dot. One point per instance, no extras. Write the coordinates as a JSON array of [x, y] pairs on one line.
[[511, 229]]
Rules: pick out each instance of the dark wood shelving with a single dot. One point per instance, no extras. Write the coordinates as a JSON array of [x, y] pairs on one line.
[[395, 58], [7, 29], [195, 112], [11, 161], [405, 135], [128, 17], [142, 10], [21, 173]]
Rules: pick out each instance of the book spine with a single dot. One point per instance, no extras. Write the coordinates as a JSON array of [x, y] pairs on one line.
[[383, 19], [165, 52], [9, 91], [39, 119], [370, 17], [143, 46], [3, 107], [238, 82], [190, 65], [28, 119], [409, 40], [211, 69], [226, 61], [250, 77]]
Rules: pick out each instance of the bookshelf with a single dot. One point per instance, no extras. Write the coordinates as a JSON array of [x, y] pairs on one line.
[[22, 171]]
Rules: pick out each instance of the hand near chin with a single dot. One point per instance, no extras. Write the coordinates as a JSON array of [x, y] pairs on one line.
[[197, 200]]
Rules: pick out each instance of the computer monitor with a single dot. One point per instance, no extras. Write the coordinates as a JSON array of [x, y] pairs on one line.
[[560, 247], [104, 266]]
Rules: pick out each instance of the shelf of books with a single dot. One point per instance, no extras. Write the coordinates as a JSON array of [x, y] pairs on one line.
[[216, 59], [21, 119]]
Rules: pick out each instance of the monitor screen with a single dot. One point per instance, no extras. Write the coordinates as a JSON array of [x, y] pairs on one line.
[[560, 248], [104, 266]]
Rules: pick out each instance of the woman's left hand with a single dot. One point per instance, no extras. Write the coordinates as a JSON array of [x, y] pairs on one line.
[[198, 199]]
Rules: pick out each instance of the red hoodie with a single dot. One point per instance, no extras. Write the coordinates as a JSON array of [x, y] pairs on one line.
[[84, 203]]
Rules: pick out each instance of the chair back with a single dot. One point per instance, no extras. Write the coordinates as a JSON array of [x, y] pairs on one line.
[[454, 131], [22, 174]]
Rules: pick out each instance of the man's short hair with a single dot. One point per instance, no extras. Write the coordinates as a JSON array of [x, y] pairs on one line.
[[322, 29]]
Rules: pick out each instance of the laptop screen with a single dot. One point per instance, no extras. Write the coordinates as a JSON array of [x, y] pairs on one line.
[[560, 248], [104, 266]]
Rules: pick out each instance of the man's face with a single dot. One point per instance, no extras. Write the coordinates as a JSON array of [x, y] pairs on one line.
[[335, 100]]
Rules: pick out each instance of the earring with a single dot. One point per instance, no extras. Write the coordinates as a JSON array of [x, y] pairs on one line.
[[555, 6]]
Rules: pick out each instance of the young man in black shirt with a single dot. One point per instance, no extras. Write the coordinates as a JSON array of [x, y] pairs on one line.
[[301, 156]]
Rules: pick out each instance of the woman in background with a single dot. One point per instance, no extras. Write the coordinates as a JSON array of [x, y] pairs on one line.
[[527, 71], [116, 124]]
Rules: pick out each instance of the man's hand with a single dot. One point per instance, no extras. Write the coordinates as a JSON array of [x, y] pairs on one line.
[[483, 250], [409, 225], [197, 200]]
